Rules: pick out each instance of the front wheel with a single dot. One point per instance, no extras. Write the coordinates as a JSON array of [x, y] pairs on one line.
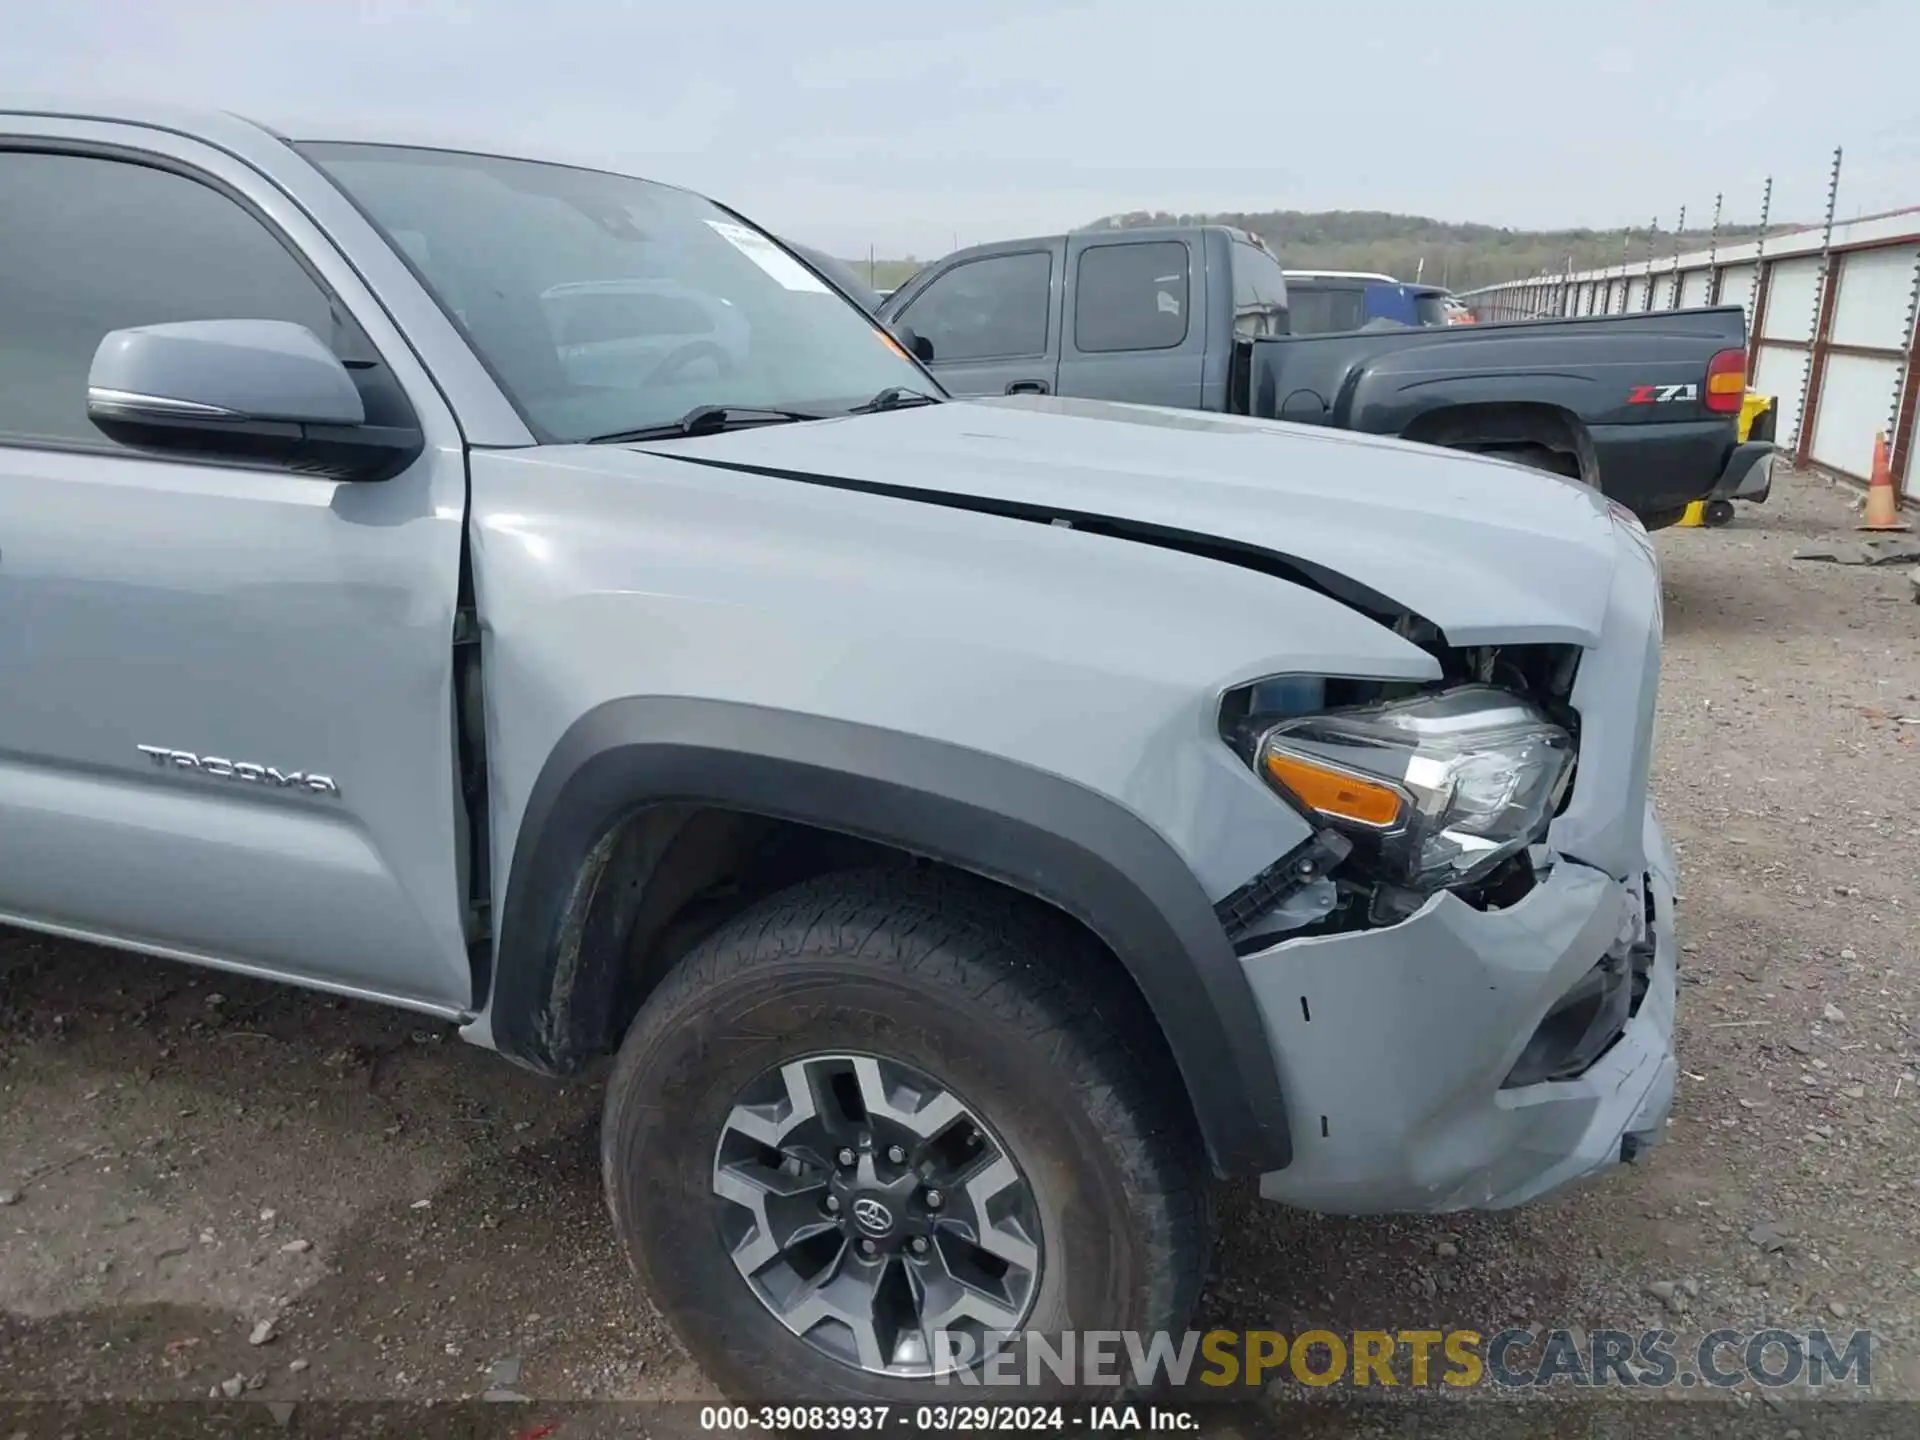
[[875, 1124]]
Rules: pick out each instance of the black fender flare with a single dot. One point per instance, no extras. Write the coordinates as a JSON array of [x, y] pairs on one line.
[[1046, 836]]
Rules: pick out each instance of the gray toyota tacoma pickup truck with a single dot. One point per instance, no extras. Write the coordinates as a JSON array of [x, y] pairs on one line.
[[534, 597]]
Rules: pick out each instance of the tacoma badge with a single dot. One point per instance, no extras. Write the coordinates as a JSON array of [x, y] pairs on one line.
[[243, 770]]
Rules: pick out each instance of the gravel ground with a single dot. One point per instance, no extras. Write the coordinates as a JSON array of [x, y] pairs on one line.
[[190, 1164]]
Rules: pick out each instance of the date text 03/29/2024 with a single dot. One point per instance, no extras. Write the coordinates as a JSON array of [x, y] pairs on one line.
[[945, 1419]]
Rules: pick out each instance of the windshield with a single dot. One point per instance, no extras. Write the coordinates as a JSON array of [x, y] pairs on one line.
[[839, 273], [604, 304], [1430, 308]]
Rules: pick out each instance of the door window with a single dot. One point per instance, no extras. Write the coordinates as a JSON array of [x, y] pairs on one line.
[[1131, 297], [90, 245], [993, 308]]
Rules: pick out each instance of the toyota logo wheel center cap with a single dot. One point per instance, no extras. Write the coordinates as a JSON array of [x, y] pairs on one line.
[[872, 1215]]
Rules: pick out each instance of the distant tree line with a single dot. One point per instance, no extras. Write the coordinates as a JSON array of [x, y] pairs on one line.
[[1460, 256]]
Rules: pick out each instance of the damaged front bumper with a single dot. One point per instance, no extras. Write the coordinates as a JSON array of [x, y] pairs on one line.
[[1399, 1045]]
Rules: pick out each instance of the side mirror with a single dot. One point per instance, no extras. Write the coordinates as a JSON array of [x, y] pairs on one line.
[[262, 390], [915, 344]]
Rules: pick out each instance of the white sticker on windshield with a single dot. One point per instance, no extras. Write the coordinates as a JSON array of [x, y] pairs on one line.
[[769, 257]]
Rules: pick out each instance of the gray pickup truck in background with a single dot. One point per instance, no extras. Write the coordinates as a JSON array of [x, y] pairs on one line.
[[1645, 408], [533, 597]]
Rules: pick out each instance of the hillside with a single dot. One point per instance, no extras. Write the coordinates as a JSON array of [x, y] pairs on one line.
[[1461, 256], [1458, 255], [886, 274]]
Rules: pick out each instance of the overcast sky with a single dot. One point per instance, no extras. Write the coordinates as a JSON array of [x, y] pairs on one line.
[[906, 126]]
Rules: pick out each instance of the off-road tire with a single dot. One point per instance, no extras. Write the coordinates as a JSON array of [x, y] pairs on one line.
[[1005, 1002]]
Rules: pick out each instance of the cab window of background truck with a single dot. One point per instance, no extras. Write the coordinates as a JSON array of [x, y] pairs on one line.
[[1131, 297], [89, 245], [993, 308]]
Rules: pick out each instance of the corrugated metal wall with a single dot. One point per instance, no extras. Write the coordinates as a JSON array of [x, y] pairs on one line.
[[1833, 326]]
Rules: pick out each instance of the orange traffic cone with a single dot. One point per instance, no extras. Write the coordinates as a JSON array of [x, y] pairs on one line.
[[1883, 510]]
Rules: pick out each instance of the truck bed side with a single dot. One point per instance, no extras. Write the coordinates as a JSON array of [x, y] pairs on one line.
[[1623, 396]]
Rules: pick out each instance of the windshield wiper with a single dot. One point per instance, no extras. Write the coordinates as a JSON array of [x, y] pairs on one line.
[[894, 397], [707, 420]]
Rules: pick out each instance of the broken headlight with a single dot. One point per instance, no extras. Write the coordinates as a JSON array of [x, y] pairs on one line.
[[1437, 789]]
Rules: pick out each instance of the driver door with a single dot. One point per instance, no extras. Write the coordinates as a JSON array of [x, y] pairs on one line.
[[171, 630]]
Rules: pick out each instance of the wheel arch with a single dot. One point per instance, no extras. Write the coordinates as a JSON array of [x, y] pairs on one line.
[[1495, 426], [1039, 834]]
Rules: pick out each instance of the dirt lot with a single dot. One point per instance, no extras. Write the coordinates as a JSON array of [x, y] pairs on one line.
[[184, 1157]]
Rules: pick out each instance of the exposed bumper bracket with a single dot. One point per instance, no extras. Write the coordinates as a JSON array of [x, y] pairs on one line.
[[1305, 864]]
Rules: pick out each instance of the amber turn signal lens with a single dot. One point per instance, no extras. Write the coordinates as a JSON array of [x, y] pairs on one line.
[[1726, 382], [1337, 794]]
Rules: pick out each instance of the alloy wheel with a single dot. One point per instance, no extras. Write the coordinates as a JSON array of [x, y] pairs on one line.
[[870, 1209]]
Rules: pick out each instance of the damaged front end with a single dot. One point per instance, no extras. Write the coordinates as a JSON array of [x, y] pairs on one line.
[[1412, 788], [1468, 971]]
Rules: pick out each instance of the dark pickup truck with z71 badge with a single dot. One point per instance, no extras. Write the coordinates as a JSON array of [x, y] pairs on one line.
[[1645, 407]]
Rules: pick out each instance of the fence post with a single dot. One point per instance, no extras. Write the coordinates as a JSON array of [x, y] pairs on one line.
[[1646, 298], [1757, 296], [1673, 294], [1713, 254], [1824, 287], [1906, 391]]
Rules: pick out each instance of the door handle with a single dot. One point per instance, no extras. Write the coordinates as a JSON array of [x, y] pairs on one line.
[[1027, 387]]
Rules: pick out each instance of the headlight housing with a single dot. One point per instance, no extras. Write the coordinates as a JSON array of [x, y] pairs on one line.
[[1439, 789]]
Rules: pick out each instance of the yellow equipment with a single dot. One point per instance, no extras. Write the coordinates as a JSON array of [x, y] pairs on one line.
[[1718, 512]]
